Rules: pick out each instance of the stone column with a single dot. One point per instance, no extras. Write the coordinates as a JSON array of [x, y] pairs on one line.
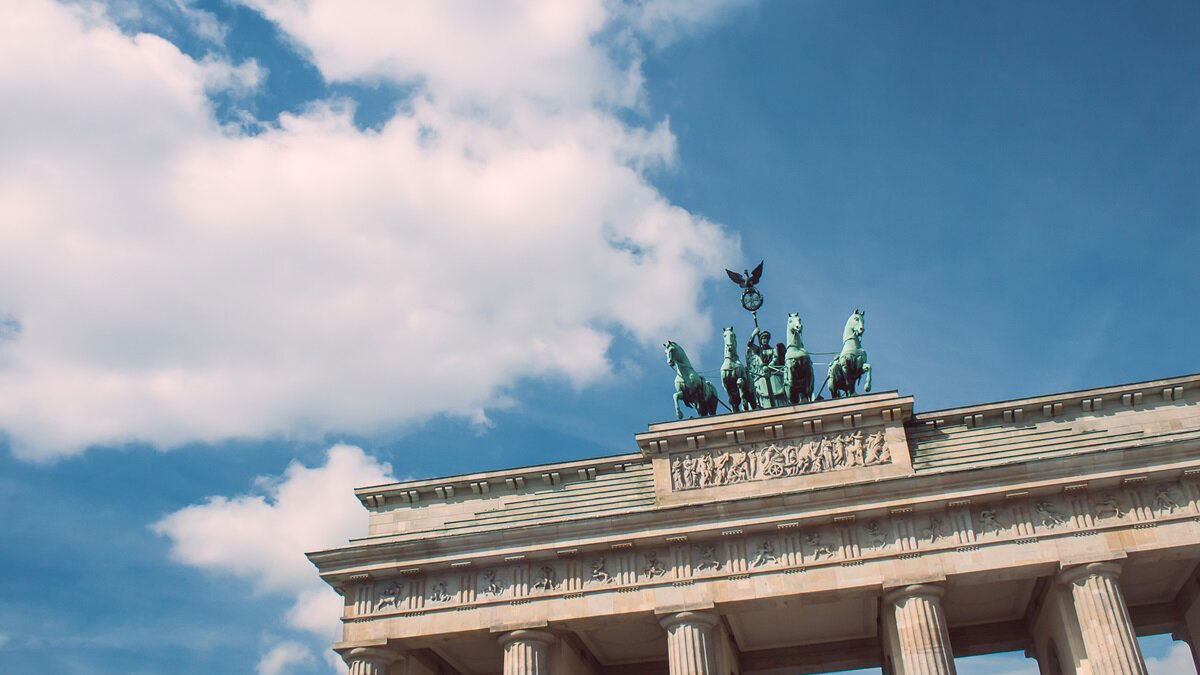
[[1108, 637], [526, 652], [1188, 602], [369, 660], [917, 640], [691, 644]]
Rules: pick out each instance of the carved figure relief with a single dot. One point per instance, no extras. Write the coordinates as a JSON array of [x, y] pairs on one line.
[[875, 536], [389, 596], [936, 530], [440, 593], [765, 554], [820, 550], [1163, 501], [1109, 507], [989, 521], [490, 585], [757, 552], [708, 558], [599, 574], [1048, 517], [831, 452], [546, 579], [653, 568]]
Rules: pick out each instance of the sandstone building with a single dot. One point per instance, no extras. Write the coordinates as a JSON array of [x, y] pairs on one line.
[[840, 534]]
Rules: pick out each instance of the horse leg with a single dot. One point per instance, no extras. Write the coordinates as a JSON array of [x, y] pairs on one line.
[[708, 404], [867, 372], [730, 383], [678, 411]]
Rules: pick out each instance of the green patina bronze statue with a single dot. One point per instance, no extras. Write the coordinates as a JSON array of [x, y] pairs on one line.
[[751, 298], [690, 387], [797, 364], [851, 363], [765, 364], [734, 377], [771, 376]]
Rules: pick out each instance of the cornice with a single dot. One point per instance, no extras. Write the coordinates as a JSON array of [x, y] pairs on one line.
[[918, 491], [1135, 394]]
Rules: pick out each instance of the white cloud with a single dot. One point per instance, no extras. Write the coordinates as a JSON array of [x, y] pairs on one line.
[[262, 538], [1177, 661], [282, 656], [177, 281]]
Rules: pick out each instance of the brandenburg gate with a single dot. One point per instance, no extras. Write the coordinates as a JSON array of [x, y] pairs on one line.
[[838, 534]]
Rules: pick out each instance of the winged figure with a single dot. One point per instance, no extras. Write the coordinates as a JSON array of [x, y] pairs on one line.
[[748, 279]]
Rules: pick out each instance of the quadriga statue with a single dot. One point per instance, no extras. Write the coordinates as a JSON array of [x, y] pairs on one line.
[[851, 364], [690, 387], [734, 376], [797, 364]]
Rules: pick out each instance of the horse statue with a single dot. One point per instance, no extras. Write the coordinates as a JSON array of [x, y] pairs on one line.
[[797, 364], [690, 387], [851, 364], [735, 378]]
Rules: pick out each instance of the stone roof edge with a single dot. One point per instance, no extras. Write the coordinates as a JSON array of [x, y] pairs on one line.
[[974, 483], [827, 407], [1152, 388], [463, 481]]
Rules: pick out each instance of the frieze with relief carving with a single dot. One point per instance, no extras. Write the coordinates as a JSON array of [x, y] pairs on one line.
[[818, 454], [900, 533]]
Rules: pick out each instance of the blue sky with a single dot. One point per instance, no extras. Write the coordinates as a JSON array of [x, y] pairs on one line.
[[238, 234]]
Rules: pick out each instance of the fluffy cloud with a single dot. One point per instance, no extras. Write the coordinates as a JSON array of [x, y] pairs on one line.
[[1176, 661], [262, 537], [282, 656], [167, 279]]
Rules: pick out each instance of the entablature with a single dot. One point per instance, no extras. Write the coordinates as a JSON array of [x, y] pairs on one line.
[[1093, 461], [919, 494]]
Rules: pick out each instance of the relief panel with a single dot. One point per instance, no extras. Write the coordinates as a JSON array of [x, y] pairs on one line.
[[766, 461]]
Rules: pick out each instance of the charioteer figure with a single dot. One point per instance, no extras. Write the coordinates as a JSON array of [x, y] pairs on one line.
[[765, 363]]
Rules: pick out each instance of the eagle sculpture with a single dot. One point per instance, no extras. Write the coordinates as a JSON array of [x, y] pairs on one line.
[[747, 280]]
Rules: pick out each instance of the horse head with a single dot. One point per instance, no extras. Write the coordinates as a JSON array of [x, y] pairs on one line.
[[795, 328], [855, 325], [671, 349]]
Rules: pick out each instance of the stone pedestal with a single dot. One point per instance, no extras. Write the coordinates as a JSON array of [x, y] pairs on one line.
[[526, 652], [691, 643], [1108, 637], [916, 639], [369, 660]]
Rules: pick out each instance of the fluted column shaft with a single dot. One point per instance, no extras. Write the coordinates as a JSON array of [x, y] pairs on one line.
[[1108, 636], [691, 645], [921, 643], [526, 652], [369, 660]]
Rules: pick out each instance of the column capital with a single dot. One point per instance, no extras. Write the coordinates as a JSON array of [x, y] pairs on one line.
[[704, 618], [381, 655], [526, 635], [1102, 569], [914, 590]]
